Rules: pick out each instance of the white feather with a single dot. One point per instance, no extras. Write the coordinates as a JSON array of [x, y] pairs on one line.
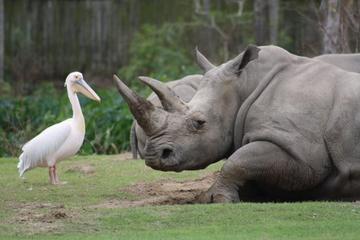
[[40, 150]]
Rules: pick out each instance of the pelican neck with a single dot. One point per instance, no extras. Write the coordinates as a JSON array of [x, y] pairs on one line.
[[75, 104]]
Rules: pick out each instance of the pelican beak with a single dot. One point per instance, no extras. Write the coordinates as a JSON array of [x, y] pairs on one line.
[[85, 89]]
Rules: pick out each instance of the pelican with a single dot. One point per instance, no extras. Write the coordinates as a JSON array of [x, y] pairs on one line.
[[61, 140]]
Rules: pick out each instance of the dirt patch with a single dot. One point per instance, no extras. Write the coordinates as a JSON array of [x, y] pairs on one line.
[[165, 192], [40, 218], [123, 157], [82, 168]]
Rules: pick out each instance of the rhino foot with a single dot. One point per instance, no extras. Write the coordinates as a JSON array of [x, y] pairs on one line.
[[218, 193]]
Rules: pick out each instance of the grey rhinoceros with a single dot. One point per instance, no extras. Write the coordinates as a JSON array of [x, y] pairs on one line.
[[288, 126], [186, 88]]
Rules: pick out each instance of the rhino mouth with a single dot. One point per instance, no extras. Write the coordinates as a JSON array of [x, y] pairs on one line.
[[164, 160], [163, 165]]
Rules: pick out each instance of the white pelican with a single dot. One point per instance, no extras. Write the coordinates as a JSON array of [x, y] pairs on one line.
[[61, 140]]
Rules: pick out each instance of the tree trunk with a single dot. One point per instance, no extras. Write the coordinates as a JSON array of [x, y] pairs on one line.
[[2, 32], [260, 21], [274, 20], [348, 21], [331, 9]]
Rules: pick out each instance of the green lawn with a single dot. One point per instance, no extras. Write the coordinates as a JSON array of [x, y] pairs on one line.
[[33, 209]]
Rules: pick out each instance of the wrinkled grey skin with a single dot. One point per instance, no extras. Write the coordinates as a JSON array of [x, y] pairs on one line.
[[289, 127], [185, 88], [347, 61]]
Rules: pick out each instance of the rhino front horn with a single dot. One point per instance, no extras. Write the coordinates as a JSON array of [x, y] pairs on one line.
[[141, 108], [168, 98]]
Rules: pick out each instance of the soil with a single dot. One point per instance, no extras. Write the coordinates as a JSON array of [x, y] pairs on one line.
[[123, 157], [34, 218], [39, 218], [164, 192], [86, 169]]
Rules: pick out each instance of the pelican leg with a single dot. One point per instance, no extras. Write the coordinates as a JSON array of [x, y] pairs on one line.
[[52, 175], [57, 181]]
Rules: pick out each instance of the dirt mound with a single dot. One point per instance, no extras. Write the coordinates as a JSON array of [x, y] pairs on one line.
[[38, 218], [165, 192]]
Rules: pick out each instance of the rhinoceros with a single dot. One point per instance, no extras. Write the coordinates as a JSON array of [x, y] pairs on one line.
[[288, 127], [186, 88]]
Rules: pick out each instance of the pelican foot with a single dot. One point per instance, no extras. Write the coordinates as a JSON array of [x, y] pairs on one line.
[[61, 183]]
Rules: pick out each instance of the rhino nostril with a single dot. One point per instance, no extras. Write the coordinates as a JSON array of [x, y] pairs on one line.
[[166, 153]]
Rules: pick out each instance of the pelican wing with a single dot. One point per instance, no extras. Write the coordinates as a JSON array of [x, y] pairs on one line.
[[38, 150]]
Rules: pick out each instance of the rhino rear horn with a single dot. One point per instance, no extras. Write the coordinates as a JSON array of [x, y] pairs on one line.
[[168, 98], [203, 62], [141, 108]]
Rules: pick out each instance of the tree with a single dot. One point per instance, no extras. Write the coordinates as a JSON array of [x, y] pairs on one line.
[[266, 21], [331, 25], [210, 21], [274, 20], [2, 32], [338, 18], [260, 22]]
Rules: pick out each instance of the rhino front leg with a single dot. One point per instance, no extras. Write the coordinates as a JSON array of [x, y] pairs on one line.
[[262, 162], [220, 192], [133, 141]]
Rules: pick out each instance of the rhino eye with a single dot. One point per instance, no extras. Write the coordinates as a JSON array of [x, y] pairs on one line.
[[198, 124]]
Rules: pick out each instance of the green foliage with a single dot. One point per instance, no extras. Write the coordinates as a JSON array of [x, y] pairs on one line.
[[285, 40], [157, 52], [21, 119], [108, 124]]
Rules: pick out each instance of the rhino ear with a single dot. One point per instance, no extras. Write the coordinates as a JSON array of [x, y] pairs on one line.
[[240, 62]]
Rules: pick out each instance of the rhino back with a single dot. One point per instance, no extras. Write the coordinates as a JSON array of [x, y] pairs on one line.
[[349, 62]]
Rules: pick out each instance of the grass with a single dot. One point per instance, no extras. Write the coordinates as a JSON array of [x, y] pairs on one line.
[[309, 220]]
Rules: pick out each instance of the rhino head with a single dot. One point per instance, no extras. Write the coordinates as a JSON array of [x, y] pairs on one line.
[[188, 136]]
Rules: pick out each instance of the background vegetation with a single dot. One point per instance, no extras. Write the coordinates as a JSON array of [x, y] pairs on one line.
[[42, 41]]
